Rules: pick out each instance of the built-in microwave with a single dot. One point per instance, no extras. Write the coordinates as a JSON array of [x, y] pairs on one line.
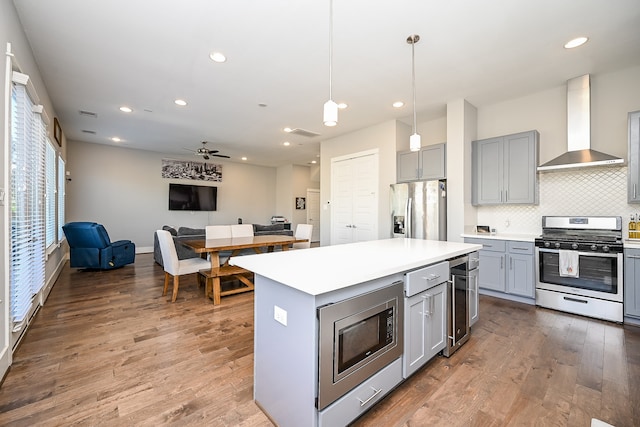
[[357, 338]]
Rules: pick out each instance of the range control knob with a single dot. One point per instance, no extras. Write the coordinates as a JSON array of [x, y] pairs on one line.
[[557, 245], [547, 244], [594, 247], [605, 248], [574, 246]]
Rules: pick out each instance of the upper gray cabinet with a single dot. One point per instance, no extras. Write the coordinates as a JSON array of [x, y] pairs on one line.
[[633, 176], [504, 169], [428, 163]]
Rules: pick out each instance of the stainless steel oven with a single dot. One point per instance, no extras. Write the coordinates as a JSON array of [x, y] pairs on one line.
[[580, 266], [357, 338]]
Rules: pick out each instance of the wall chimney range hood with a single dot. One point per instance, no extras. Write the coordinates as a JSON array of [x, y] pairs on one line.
[[579, 153]]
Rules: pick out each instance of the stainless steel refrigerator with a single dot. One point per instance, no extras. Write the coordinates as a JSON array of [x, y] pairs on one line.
[[419, 210]]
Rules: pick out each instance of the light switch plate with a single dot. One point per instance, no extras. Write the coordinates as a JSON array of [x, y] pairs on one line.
[[280, 315]]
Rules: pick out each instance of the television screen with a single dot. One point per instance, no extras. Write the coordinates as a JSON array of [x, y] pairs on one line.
[[192, 197]]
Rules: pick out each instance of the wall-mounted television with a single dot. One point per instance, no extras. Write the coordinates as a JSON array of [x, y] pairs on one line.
[[184, 197]]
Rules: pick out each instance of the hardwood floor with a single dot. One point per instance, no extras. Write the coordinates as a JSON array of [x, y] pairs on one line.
[[108, 350]]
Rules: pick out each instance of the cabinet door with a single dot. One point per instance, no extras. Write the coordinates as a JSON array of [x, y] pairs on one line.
[[633, 185], [436, 319], [407, 166], [632, 282], [520, 163], [433, 162], [521, 275], [492, 272], [416, 309], [487, 172]]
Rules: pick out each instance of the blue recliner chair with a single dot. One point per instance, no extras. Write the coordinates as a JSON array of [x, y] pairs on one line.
[[91, 247]]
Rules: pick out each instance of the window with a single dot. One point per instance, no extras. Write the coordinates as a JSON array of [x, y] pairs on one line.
[[50, 195], [61, 194], [27, 210]]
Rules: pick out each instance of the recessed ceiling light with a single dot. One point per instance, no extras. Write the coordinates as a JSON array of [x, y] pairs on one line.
[[287, 130], [125, 109], [398, 104], [180, 102], [217, 57], [578, 41], [286, 143], [313, 162], [342, 106], [116, 139], [244, 158]]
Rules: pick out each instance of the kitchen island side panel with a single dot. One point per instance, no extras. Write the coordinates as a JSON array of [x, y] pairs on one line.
[[285, 358]]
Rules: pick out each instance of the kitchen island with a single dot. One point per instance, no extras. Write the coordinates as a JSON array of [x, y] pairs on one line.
[[289, 288]]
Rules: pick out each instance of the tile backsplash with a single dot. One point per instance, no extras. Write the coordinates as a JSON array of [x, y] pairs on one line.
[[599, 191]]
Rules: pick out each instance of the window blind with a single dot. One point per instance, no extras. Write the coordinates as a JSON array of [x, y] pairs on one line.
[[50, 195], [61, 195], [27, 264]]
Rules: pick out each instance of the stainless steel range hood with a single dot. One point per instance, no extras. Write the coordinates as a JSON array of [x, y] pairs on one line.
[[579, 154]]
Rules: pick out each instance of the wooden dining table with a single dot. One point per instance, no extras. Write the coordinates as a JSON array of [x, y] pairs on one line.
[[213, 247]]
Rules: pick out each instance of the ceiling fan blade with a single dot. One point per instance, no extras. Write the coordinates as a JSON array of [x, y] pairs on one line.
[[206, 157], [221, 155]]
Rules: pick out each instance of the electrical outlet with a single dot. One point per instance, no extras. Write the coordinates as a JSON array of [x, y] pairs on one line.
[[280, 315]]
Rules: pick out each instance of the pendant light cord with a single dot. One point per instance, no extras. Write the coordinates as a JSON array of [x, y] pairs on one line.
[[413, 79], [330, 47]]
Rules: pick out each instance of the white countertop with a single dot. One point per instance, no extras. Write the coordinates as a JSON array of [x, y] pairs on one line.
[[631, 243], [316, 271], [503, 236]]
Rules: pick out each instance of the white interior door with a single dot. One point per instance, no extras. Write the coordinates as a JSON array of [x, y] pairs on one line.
[[354, 198], [313, 213]]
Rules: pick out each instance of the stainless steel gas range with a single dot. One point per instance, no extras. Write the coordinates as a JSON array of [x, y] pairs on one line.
[[579, 266]]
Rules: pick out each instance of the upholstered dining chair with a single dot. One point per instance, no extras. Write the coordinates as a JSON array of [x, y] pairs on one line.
[[217, 232], [174, 267], [303, 231], [241, 230]]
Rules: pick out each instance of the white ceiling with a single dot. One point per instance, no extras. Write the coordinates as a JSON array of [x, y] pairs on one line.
[[98, 55]]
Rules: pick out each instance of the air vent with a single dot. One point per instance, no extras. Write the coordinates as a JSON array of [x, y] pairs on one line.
[[304, 132], [91, 132], [88, 114]]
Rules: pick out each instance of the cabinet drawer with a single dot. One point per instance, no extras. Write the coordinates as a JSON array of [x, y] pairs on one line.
[[425, 278], [359, 400], [525, 248], [488, 244]]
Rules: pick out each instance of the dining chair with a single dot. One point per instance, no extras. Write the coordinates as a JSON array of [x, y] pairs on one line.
[[217, 232], [174, 267], [303, 231], [241, 230]]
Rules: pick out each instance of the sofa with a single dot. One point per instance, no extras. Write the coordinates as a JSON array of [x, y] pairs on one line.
[[186, 233]]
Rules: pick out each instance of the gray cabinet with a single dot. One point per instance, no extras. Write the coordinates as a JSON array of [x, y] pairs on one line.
[[632, 283], [633, 176], [427, 164], [504, 169], [425, 310], [506, 266]]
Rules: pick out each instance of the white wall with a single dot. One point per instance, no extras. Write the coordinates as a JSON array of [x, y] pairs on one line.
[[383, 137], [123, 189]]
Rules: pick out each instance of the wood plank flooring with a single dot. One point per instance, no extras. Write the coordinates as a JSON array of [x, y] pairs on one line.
[[108, 350]]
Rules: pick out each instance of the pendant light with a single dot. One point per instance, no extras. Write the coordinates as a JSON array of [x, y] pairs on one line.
[[414, 140], [330, 116]]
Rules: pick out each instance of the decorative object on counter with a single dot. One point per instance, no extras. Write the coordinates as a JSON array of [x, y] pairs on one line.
[[632, 227], [482, 229]]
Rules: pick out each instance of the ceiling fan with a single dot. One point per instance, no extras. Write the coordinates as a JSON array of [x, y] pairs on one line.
[[207, 153]]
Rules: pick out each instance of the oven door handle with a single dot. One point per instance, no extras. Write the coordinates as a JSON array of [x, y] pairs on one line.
[[593, 254]]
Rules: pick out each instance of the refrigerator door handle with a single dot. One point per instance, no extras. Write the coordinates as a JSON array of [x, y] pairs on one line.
[[408, 226]]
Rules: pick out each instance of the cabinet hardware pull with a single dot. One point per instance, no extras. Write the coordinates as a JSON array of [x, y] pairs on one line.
[[634, 191], [633, 256], [488, 246], [432, 277], [501, 263], [519, 249], [576, 300], [375, 393], [510, 263]]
